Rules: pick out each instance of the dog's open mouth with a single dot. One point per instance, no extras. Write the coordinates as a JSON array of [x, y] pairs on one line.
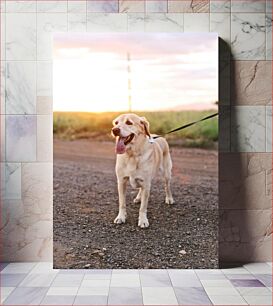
[[122, 142]]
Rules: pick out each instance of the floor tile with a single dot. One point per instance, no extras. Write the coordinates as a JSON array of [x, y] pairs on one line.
[[125, 271], [11, 280], [5, 292], [254, 291], [155, 278], [90, 300], [258, 268], [227, 300], [258, 299], [96, 271], [3, 265], [93, 291], [125, 280], [125, 296], [37, 280], [72, 271], [216, 283], [159, 296], [26, 296], [184, 278], [266, 279], [96, 283], [210, 274], [185, 272], [238, 270], [17, 268], [96, 276], [58, 300], [240, 276], [246, 283], [221, 291], [192, 296], [43, 267], [62, 291], [65, 280]]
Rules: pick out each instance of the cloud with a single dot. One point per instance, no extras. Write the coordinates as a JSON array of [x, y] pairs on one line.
[[166, 68]]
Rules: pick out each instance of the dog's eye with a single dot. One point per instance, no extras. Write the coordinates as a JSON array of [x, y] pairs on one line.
[[116, 122], [128, 122]]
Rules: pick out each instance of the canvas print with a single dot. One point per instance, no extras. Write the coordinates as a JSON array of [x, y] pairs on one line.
[[135, 150]]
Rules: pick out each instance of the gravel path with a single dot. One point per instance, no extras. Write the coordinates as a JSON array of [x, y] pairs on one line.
[[184, 235]]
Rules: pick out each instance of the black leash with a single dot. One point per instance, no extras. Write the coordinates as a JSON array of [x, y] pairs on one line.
[[186, 125]]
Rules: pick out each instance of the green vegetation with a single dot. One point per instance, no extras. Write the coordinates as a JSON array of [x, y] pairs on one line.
[[70, 125]]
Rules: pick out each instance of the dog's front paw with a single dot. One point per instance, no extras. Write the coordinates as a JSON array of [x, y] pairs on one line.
[[121, 218], [143, 222], [169, 200]]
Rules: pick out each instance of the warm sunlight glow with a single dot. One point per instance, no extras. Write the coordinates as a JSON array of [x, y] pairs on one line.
[[166, 71]]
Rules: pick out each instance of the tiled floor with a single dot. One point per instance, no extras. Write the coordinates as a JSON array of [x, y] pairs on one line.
[[39, 284]]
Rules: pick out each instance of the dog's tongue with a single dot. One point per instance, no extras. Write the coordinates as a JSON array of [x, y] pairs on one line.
[[120, 146]]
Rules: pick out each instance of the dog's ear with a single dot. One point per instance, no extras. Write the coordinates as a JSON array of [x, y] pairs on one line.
[[146, 126]]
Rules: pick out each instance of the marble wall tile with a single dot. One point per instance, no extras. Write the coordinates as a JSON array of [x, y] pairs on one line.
[[2, 88], [21, 6], [243, 181], [77, 6], [269, 6], [25, 236], [3, 36], [44, 78], [160, 22], [37, 180], [3, 6], [249, 6], [100, 22], [20, 138], [44, 105], [188, 6], [252, 84], [44, 138], [220, 23], [224, 129], [131, 6], [220, 6], [20, 36], [248, 129], [77, 22], [20, 87], [52, 6], [268, 128], [268, 22], [247, 233], [12, 181], [136, 22], [47, 24], [196, 22], [248, 36], [11, 231], [224, 82], [157, 6], [3, 138], [102, 6]]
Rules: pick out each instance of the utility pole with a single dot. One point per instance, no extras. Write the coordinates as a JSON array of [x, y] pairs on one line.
[[129, 82]]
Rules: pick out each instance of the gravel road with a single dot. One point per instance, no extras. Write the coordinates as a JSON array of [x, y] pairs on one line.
[[184, 235]]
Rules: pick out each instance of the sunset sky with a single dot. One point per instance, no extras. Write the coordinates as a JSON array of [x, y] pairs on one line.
[[168, 71]]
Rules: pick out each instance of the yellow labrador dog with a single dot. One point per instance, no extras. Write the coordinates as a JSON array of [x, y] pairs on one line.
[[138, 160]]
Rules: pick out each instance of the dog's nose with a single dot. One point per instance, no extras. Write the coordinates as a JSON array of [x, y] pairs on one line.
[[116, 131]]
